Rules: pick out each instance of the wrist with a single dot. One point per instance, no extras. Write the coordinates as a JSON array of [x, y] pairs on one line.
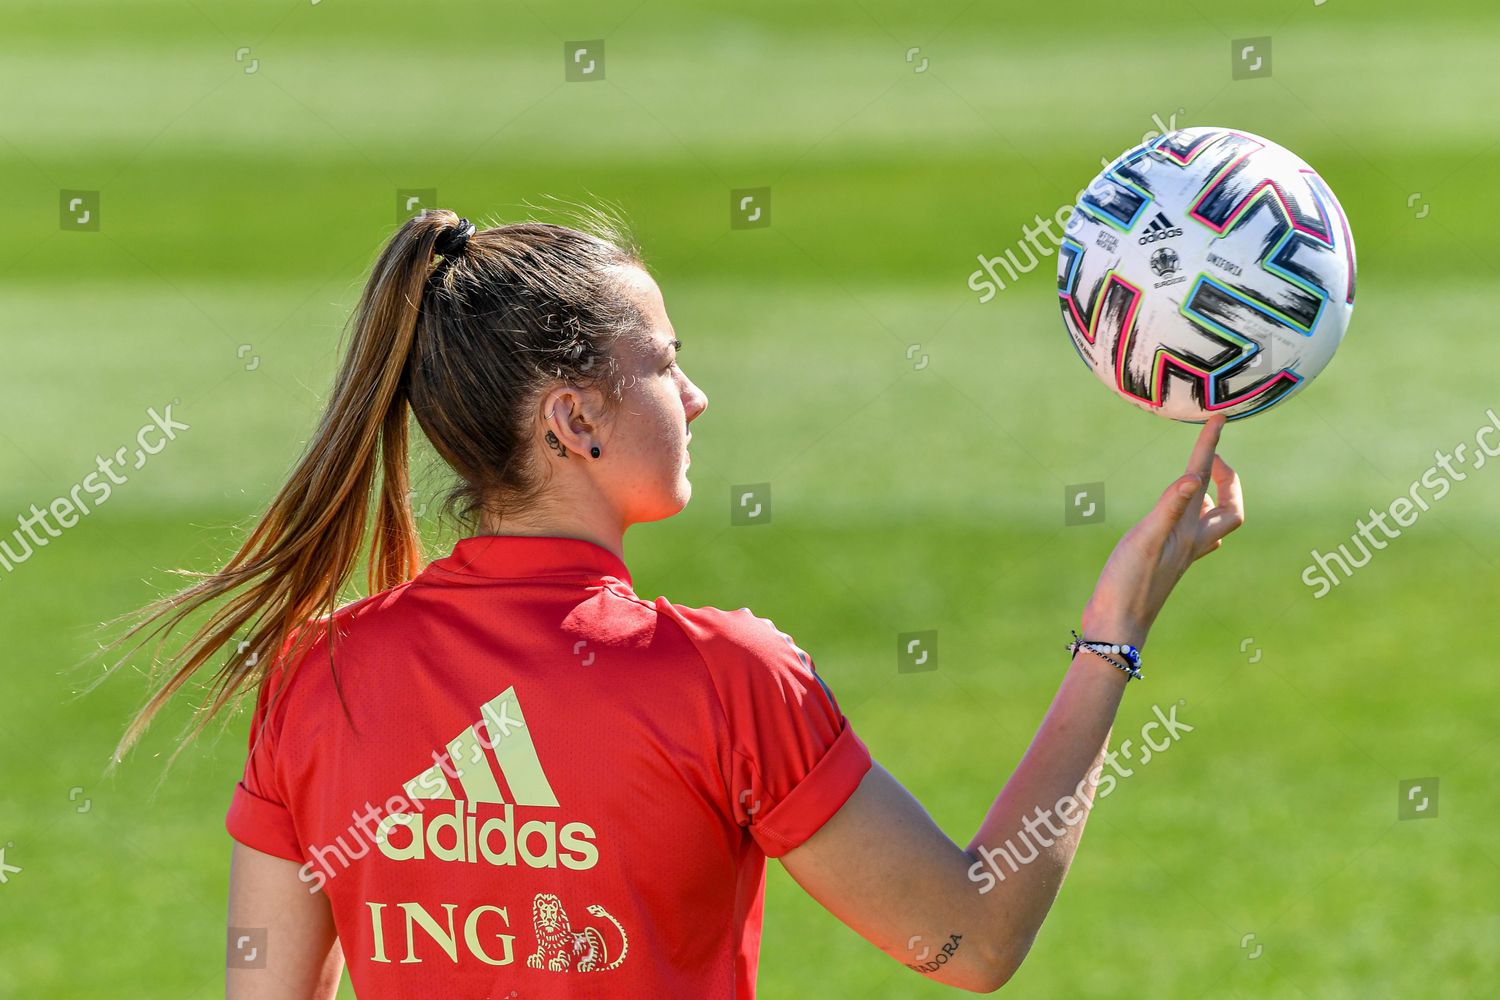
[[1112, 630], [1123, 656]]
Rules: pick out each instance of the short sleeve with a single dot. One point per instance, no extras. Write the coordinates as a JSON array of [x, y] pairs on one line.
[[793, 758], [258, 814]]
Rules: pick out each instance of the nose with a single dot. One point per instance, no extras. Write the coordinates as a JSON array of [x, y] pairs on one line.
[[694, 402]]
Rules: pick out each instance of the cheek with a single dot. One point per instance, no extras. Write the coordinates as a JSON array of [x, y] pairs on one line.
[[649, 454], [667, 419], [648, 438]]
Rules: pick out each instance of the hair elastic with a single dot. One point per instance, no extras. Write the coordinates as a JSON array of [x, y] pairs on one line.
[[451, 242]]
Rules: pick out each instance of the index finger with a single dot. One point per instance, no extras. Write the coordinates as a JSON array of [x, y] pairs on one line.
[[1201, 463]]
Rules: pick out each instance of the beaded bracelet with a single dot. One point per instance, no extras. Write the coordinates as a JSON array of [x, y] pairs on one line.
[[1108, 651]]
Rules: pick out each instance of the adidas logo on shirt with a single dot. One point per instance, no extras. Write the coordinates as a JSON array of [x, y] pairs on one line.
[[481, 825], [1159, 228]]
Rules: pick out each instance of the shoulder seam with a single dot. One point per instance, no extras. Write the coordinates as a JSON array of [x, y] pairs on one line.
[[712, 683]]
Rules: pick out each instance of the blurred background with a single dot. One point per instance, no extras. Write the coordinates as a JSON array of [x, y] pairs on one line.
[[193, 194]]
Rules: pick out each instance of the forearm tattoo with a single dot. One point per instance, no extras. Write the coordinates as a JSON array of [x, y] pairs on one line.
[[930, 961]]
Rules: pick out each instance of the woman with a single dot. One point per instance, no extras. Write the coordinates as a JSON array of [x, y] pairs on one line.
[[508, 775]]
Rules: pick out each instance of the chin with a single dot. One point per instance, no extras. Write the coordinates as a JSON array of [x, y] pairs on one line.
[[672, 501], [682, 494]]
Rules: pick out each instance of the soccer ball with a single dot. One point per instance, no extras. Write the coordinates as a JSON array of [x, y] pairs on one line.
[[1206, 271]]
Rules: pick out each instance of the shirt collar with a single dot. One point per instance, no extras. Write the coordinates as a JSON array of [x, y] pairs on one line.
[[520, 556]]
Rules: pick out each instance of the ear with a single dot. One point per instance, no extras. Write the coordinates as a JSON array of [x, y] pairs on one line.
[[574, 415]]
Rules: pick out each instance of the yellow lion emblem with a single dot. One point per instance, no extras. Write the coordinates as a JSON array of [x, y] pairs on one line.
[[559, 947]]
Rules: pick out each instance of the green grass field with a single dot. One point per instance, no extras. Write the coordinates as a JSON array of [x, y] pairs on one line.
[[1262, 857]]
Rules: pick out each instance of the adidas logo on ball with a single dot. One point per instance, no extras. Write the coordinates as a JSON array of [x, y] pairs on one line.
[[1159, 228]]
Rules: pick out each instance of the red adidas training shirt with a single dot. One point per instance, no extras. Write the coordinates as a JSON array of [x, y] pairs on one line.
[[521, 780]]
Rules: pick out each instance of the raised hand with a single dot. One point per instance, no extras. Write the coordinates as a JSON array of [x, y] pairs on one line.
[[1154, 554]]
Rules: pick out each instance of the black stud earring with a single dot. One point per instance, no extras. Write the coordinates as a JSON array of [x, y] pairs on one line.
[[594, 451]]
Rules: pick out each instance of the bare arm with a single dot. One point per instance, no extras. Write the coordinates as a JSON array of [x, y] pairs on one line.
[[967, 916], [302, 959]]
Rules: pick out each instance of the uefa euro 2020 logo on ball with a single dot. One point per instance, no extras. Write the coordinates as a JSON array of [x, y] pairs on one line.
[[1207, 271]]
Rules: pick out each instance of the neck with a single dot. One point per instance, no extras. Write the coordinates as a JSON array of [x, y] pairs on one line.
[[596, 528]]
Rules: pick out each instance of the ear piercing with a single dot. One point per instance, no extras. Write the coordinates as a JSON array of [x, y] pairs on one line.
[[561, 449]]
